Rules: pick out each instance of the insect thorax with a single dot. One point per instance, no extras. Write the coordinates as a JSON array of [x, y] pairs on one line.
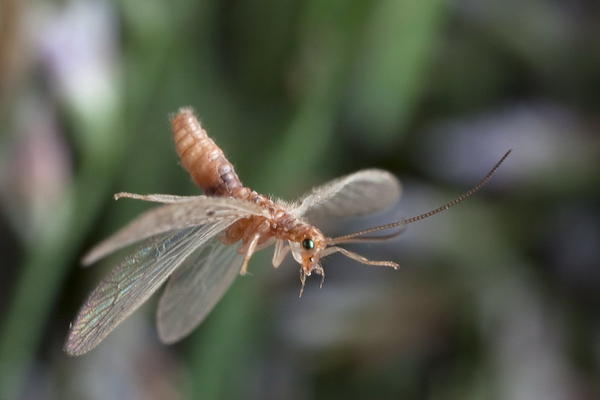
[[281, 224]]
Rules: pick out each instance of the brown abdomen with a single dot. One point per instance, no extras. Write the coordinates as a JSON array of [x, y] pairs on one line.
[[201, 157]]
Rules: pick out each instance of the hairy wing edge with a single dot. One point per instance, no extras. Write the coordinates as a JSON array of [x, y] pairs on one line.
[[132, 282], [200, 210], [360, 193]]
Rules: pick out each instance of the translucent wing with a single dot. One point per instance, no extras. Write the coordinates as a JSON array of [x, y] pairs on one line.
[[199, 210], [360, 193], [133, 281], [195, 288]]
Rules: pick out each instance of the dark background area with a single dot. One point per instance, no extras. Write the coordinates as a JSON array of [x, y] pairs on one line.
[[497, 298]]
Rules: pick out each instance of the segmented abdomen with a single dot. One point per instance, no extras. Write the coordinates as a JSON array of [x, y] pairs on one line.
[[201, 157], [210, 170]]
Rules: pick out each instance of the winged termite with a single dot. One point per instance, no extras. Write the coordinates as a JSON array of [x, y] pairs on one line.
[[200, 243]]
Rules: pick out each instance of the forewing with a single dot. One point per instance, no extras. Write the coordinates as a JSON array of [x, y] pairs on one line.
[[198, 211], [360, 193], [133, 281], [195, 288]]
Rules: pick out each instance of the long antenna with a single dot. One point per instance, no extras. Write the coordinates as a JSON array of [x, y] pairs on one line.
[[428, 214]]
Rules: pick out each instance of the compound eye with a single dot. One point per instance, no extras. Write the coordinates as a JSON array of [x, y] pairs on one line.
[[308, 244]]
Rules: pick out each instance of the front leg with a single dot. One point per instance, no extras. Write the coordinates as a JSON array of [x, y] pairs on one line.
[[248, 251], [358, 257], [155, 198], [281, 250], [255, 232]]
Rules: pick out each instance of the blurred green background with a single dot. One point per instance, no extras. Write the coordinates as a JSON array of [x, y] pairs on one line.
[[496, 299]]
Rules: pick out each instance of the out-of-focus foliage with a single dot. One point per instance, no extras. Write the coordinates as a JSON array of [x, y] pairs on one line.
[[497, 298]]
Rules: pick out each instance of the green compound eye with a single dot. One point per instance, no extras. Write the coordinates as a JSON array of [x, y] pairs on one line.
[[308, 244]]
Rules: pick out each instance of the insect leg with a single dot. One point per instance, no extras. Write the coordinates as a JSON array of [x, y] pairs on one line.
[[358, 257], [281, 250], [320, 271], [248, 253], [155, 198], [302, 282]]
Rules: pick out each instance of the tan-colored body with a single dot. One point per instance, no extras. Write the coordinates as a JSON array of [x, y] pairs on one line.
[[177, 238], [210, 170]]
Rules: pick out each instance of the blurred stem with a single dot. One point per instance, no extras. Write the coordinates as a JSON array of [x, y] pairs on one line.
[[389, 77], [102, 136], [49, 256]]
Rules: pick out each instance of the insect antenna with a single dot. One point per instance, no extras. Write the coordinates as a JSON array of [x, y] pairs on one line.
[[371, 239], [354, 237]]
